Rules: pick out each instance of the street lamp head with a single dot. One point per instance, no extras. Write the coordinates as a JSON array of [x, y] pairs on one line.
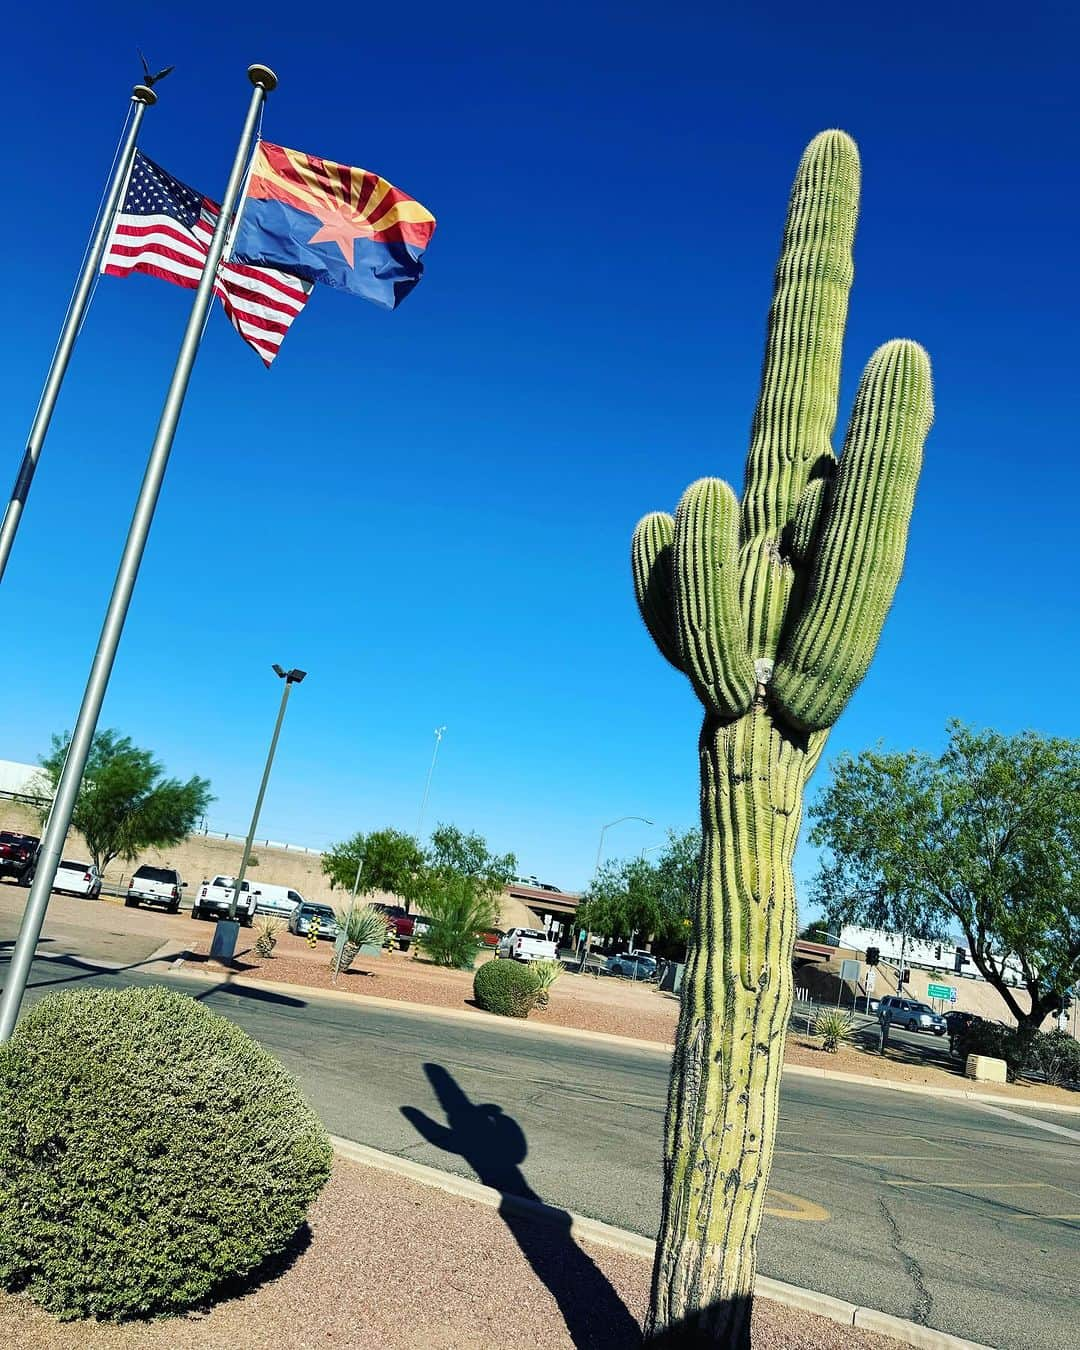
[[295, 676], [278, 671]]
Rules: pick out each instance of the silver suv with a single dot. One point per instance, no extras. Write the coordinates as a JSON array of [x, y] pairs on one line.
[[906, 1012]]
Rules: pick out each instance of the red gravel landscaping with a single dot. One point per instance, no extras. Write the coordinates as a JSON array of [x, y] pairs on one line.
[[395, 1265]]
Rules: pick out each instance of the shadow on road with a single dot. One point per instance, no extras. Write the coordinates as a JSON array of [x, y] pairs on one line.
[[494, 1146]]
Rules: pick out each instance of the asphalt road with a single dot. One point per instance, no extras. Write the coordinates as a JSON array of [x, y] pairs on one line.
[[966, 1219]]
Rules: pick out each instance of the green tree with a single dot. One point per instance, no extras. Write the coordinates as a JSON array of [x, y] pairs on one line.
[[984, 839], [125, 804], [452, 852], [460, 889], [631, 896], [388, 860]]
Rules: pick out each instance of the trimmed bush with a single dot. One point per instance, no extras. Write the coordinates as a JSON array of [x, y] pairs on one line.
[[149, 1151], [506, 987]]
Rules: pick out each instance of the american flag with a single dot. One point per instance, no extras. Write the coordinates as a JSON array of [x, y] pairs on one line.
[[164, 229]]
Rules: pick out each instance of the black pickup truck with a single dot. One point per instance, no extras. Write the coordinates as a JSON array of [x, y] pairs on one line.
[[18, 856]]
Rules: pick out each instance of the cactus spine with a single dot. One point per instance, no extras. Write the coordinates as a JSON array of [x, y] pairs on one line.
[[773, 610]]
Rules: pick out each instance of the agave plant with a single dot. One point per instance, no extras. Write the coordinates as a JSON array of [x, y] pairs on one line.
[[835, 1028], [267, 939], [362, 926], [547, 972]]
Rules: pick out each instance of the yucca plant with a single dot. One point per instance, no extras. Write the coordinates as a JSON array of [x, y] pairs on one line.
[[267, 939], [835, 1029], [546, 972], [362, 926]]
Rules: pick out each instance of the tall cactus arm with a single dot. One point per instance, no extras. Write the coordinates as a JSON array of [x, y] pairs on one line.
[[811, 509], [707, 610], [650, 561], [860, 553], [800, 379]]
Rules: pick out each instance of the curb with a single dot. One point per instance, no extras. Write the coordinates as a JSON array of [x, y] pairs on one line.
[[635, 1244], [314, 994]]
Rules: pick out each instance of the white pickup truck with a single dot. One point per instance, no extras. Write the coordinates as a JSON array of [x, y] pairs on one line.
[[215, 897], [527, 944]]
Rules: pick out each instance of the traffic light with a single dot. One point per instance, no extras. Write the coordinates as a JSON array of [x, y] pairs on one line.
[[905, 977], [960, 960], [937, 952], [873, 955]]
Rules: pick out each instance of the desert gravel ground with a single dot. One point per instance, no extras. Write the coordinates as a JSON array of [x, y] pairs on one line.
[[394, 1265]]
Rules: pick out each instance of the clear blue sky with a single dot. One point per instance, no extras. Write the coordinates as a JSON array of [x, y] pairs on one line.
[[430, 510]]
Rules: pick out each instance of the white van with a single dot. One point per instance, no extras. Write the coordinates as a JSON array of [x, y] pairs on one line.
[[273, 899]]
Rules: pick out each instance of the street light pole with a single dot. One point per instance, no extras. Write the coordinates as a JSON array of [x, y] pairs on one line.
[[439, 733], [596, 872], [290, 678]]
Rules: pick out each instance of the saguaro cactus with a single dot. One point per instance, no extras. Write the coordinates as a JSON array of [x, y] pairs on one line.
[[773, 610]]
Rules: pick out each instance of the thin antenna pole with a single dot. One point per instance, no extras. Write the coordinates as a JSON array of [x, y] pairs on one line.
[[439, 733], [67, 789], [143, 97]]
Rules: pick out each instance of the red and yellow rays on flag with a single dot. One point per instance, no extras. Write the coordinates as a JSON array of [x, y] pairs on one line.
[[333, 223]]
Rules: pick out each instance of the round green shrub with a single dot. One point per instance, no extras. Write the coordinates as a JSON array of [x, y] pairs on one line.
[[506, 987], [150, 1150]]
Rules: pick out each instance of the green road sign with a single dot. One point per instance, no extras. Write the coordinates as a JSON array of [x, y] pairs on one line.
[[941, 991]]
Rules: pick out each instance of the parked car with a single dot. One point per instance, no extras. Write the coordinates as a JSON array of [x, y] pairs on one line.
[[18, 856], [215, 897], [273, 899], [527, 944], [634, 965], [956, 1024], [304, 915], [78, 878], [906, 1012], [401, 921], [155, 886]]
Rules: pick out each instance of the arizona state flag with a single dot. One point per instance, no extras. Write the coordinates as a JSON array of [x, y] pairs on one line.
[[327, 222]]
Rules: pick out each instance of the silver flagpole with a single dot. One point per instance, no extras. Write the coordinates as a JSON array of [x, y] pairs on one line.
[[67, 790], [143, 97]]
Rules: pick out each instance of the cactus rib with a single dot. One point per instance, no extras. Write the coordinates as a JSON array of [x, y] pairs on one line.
[[710, 626], [861, 551], [650, 562]]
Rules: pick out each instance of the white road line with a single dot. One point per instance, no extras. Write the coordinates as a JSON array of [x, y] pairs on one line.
[[1047, 1125]]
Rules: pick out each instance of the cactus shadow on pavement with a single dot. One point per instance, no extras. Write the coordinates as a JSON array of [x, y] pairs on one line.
[[494, 1146]]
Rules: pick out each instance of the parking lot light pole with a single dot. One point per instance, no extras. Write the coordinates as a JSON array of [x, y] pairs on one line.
[[226, 946]]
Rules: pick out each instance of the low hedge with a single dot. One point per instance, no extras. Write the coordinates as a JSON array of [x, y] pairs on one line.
[[1052, 1053], [508, 988], [150, 1150]]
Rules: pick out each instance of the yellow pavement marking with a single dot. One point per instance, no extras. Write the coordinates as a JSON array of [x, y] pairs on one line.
[[781, 1205]]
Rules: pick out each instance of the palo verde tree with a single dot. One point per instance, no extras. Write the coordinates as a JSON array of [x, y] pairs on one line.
[[772, 609], [125, 804], [984, 839]]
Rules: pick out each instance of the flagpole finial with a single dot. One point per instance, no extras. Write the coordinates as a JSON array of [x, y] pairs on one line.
[[142, 93], [262, 77]]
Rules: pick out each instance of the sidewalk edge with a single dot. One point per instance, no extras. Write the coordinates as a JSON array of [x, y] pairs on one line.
[[635, 1244]]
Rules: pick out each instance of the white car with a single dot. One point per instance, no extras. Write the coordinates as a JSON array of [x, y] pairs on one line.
[[527, 944], [273, 899], [215, 897], [78, 878], [155, 886]]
